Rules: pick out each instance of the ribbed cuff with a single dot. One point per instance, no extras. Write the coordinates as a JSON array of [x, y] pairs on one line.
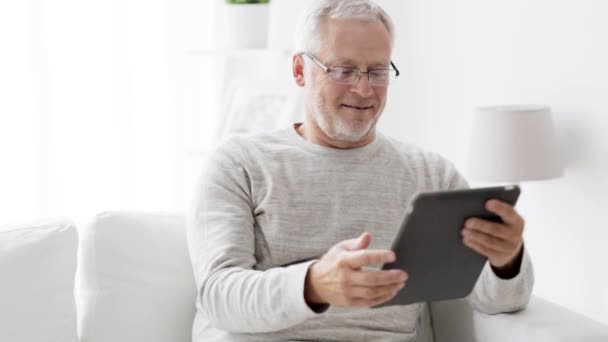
[[524, 268]]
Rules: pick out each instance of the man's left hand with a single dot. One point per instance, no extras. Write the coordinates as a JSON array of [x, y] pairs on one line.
[[501, 243]]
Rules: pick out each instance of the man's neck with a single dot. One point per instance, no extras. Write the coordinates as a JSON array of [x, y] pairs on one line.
[[313, 134]]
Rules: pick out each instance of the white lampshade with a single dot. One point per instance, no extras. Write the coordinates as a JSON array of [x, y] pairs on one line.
[[513, 144]]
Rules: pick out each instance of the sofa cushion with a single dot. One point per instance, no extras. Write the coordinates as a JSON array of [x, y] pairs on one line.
[[135, 280], [37, 268]]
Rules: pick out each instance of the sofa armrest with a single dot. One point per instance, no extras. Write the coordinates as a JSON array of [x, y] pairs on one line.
[[540, 321], [37, 266]]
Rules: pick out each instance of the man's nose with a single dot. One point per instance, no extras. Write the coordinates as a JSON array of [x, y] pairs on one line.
[[362, 86]]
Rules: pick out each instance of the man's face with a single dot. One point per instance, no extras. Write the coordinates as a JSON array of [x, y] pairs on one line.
[[348, 112]]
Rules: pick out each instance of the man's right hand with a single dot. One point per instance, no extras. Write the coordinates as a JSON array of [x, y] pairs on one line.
[[337, 278]]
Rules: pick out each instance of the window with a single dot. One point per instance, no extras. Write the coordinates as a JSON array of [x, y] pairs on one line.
[[98, 100]]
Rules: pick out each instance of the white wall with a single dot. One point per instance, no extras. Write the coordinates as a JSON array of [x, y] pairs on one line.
[[457, 55]]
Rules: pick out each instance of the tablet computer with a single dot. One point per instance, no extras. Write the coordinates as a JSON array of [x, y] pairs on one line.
[[429, 244]]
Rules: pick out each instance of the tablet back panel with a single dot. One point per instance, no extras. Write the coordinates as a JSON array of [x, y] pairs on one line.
[[429, 245]]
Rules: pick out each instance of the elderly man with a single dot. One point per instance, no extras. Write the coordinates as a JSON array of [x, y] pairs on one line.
[[281, 229]]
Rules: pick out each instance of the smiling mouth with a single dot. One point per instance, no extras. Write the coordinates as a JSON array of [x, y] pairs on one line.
[[357, 107]]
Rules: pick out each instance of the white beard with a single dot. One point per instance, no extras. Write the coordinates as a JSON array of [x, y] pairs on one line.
[[339, 129]]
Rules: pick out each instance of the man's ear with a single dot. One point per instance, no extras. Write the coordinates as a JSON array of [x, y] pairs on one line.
[[298, 69]]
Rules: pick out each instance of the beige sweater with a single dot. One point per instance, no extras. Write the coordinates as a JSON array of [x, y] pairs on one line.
[[269, 200]]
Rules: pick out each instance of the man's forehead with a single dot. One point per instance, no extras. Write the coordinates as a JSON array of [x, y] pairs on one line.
[[355, 42], [352, 56]]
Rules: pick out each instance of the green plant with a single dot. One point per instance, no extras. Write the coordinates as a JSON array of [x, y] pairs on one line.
[[239, 2]]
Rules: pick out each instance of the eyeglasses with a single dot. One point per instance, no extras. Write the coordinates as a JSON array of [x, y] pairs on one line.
[[350, 75]]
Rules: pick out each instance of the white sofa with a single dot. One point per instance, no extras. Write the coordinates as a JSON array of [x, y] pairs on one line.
[[132, 281]]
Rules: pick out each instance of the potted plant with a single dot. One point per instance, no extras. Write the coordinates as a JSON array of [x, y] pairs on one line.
[[245, 24]]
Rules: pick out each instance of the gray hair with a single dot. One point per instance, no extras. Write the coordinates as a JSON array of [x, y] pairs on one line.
[[309, 35]]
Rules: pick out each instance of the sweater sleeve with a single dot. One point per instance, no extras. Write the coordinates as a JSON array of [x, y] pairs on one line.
[[492, 294], [232, 295]]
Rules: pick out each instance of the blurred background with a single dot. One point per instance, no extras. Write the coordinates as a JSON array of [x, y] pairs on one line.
[[114, 105]]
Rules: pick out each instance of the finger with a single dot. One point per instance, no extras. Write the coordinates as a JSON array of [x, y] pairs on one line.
[[506, 212], [373, 293], [488, 241], [366, 257], [382, 300], [362, 242], [498, 230], [484, 250], [378, 278], [375, 301]]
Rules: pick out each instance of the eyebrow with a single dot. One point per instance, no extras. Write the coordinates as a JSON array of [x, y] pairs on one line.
[[350, 62]]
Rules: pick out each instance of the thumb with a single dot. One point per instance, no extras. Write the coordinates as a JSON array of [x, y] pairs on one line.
[[362, 242]]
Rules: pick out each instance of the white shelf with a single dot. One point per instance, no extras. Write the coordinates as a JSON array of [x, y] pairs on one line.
[[249, 82], [243, 52]]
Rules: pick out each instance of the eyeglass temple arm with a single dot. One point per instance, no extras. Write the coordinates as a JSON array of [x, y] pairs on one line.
[[396, 70], [326, 69]]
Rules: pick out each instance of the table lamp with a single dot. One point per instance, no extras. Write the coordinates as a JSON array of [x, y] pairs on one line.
[[513, 144]]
